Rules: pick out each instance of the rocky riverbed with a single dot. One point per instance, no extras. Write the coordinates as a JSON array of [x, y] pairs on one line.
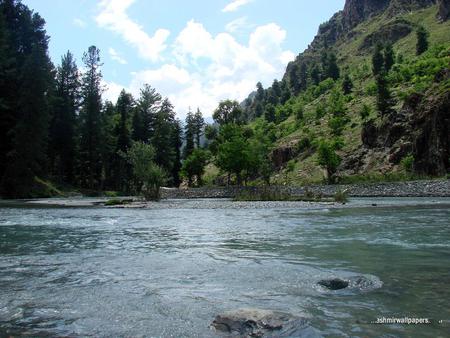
[[433, 188]]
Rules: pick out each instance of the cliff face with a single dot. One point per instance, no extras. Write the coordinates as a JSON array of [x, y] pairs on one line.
[[356, 11], [444, 10], [420, 128]]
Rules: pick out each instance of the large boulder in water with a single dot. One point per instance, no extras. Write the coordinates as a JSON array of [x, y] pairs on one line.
[[351, 283], [261, 323]]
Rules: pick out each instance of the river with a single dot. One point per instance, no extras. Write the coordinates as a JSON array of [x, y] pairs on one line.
[[167, 272]]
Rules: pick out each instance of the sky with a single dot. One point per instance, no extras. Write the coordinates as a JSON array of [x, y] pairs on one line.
[[195, 52]]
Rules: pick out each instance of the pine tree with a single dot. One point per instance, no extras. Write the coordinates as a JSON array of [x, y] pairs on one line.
[[332, 69], [294, 79], [26, 87], [378, 60], [90, 165], [162, 138], [389, 57], [384, 97], [315, 74], [189, 134], [303, 75], [422, 40], [347, 85], [122, 169], [146, 109], [199, 124], [177, 143], [62, 127]]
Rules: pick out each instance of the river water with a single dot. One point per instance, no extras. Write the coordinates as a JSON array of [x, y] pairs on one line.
[[168, 272]]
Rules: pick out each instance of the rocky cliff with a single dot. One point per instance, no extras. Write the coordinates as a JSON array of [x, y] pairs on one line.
[[444, 10]]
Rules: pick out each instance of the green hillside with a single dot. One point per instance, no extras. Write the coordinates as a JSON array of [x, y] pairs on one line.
[[324, 113]]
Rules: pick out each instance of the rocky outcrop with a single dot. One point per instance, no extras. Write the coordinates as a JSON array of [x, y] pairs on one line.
[[390, 33], [283, 154], [444, 10], [357, 11], [260, 323], [421, 129], [397, 7]]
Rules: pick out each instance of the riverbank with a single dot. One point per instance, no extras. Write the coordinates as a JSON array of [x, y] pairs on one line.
[[429, 188]]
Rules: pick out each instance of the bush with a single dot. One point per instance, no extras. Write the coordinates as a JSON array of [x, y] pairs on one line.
[[408, 163], [341, 196]]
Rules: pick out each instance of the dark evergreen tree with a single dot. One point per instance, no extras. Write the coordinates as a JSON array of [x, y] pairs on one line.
[[110, 120], [422, 40], [389, 57], [332, 69], [303, 76], [189, 134], [384, 97], [90, 165], [177, 143], [260, 93], [199, 124], [378, 60], [285, 92], [315, 74], [294, 80], [147, 106], [122, 169], [162, 138], [62, 146], [26, 86], [269, 113], [347, 84]]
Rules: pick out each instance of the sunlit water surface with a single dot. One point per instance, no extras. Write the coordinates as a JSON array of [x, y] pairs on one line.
[[167, 273]]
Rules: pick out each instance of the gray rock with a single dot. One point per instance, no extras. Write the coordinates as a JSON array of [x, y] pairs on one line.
[[260, 323], [351, 283]]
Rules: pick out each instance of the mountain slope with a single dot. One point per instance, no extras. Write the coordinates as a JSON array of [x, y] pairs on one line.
[[417, 128]]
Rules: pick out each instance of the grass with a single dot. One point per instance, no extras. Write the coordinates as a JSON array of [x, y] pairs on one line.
[[116, 201]]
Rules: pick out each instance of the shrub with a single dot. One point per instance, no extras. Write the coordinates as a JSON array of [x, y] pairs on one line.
[[408, 163]]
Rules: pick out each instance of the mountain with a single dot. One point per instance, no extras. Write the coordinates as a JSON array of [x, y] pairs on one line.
[[411, 138]]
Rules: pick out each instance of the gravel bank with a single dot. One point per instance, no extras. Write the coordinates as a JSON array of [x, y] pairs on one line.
[[431, 188]]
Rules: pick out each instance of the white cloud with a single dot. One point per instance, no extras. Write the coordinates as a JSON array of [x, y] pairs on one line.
[[112, 91], [116, 57], [79, 23], [213, 68], [113, 16], [235, 4], [236, 25]]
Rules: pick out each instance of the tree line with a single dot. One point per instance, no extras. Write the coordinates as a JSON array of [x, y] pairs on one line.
[[54, 124]]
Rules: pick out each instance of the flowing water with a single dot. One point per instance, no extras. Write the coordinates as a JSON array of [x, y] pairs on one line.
[[167, 272]]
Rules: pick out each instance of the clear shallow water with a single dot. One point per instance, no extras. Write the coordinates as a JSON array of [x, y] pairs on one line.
[[168, 272]]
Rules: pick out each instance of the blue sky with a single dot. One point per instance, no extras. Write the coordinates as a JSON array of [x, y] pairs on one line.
[[195, 52]]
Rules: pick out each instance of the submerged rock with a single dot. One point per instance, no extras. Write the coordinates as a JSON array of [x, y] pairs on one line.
[[333, 284], [260, 323], [351, 283]]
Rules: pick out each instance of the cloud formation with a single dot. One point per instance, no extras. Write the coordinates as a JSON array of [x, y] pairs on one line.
[[113, 16], [235, 4], [116, 57]]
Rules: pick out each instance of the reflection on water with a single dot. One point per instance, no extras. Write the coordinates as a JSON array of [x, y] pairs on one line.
[[167, 273]]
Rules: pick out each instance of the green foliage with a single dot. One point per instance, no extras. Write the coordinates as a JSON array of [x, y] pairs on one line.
[[341, 196], [320, 111], [148, 174], [377, 60], [365, 112], [337, 124], [408, 163], [422, 40], [228, 112], [195, 165], [384, 96], [347, 85], [328, 159]]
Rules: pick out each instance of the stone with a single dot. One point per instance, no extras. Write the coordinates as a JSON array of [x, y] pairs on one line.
[[352, 283], [252, 322], [334, 284]]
